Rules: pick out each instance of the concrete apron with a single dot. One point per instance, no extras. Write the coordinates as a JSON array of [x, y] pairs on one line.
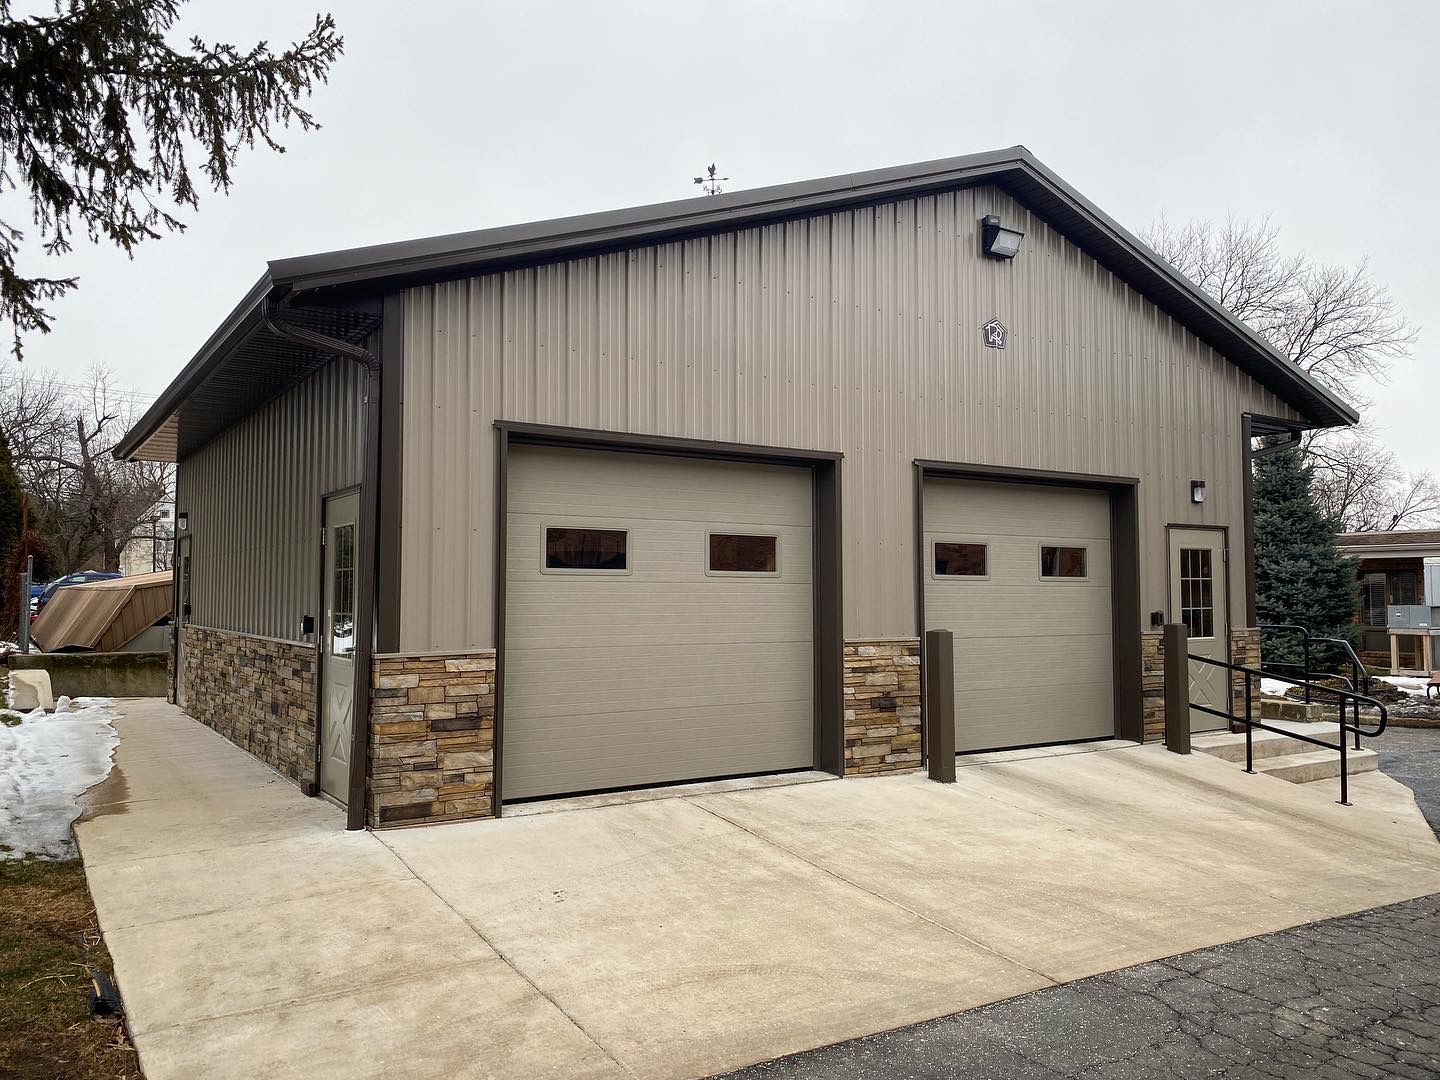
[[687, 936]]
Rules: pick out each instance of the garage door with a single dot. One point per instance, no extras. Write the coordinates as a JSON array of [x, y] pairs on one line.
[[1020, 574], [658, 621]]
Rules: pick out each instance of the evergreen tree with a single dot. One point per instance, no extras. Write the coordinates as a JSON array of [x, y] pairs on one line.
[[1300, 576], [108, 129]]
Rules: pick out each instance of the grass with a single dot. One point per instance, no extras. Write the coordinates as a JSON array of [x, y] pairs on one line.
[[49, 940]]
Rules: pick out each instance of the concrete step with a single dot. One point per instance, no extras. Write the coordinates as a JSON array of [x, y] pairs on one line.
[[1319, 765], [1231, 747]]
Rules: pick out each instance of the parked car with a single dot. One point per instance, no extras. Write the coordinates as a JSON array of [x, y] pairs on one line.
[[84, 577]]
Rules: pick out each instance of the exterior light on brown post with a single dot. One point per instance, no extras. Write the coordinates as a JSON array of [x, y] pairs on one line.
[[1177, 688], [940, 704]]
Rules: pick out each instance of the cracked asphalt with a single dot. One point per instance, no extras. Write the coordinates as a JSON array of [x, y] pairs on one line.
[[1344, 999]]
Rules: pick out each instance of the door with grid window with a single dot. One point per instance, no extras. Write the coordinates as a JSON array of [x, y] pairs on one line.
[[337, 639], [1198, 599]]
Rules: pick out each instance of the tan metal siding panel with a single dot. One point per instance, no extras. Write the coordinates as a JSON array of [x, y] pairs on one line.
[[253, 499], [856, 331]]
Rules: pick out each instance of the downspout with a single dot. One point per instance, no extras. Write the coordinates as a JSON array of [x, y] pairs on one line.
[[369, 522]]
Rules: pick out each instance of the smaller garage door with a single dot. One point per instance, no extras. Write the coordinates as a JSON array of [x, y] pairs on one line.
[[659, 621], [1020, 574]]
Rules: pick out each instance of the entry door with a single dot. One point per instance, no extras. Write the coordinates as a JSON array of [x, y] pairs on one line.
[[337, 638], [1197, 599], [182, 618]]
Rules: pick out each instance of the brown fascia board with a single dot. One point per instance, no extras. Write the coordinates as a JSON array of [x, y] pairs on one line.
[[383, 267]]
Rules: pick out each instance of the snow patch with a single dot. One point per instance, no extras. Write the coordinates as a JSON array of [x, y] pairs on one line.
[[46, 762], [1274, 687]]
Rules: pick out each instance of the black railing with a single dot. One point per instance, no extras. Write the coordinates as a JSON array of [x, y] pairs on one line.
[[1359, 677], [1253, 674]]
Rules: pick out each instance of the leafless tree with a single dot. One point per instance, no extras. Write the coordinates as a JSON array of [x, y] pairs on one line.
[[87, 504], [1336, 322], [1361, 484]]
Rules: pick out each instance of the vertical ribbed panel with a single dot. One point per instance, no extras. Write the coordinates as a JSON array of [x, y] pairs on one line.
[[253, 498], [856, 331]]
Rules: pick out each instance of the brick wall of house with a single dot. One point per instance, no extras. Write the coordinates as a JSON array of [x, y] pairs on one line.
[[257, 692], [882, 707], [432, 739]]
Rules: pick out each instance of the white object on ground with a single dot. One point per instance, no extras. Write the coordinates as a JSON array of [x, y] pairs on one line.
[[46, 761], [30, 689], [64, 704], [1274, 687]]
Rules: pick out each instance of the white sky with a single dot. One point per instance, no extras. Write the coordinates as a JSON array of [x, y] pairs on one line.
[[447, 115]]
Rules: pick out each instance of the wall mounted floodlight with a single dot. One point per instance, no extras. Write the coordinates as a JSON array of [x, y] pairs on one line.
[[997, 241], [182, 521], [1197, 491]]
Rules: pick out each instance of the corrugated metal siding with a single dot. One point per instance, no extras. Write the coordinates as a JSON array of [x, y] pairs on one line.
[[857, 331], [253, 496]]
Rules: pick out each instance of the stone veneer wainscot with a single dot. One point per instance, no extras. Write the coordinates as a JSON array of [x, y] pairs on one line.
[[432, 738], [882, 707], [259, 693]]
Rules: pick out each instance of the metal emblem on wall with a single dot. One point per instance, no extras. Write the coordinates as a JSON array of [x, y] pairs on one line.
[[994, 334]]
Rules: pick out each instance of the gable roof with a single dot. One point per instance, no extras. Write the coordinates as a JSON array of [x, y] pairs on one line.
[[1395, 542], [343, 276]]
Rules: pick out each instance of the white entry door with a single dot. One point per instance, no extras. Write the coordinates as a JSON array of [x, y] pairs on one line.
[[337, 639], [1198, 599]]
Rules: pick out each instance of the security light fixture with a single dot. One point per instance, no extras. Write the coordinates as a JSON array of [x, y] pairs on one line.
[[997, 241], [182, 521], [1197, 491]]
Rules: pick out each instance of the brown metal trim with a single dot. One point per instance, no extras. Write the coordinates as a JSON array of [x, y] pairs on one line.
[[502, 514], [1247, 512], [551, 435], [920, 562], [828, 559], [392, 473], [1124, 569], [828, 608], [176, 625], [1008, 474]]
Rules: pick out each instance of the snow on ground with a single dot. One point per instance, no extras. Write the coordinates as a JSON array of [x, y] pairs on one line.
[[1274, 687], [46, 761]]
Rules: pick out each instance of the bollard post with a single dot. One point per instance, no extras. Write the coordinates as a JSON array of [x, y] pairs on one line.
[[940, 704], [1177, 688]]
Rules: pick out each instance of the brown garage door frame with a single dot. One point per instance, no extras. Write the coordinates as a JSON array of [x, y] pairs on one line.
[[1124, 569], [825, 531]]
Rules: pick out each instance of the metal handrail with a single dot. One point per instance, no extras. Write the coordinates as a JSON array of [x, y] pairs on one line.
[[1251, 723], [1360, 676]]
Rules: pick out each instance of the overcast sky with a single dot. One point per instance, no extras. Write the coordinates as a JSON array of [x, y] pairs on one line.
[[447, 115]]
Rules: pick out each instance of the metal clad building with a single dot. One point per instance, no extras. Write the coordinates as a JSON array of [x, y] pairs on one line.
[[672, 493]]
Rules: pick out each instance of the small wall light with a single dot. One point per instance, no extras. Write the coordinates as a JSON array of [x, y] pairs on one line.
[[182, 521], [1197, 491], [997, 241]]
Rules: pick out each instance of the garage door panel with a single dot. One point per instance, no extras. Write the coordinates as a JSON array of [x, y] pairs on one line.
[[664, 672], [1033, 655], [1033, 714]]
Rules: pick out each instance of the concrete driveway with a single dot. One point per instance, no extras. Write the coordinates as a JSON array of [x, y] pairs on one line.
[[689, 935]]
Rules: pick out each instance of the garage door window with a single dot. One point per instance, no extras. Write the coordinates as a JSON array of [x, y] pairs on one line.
[[742, 553], [1062, 562], [964, 560], [578, 550]]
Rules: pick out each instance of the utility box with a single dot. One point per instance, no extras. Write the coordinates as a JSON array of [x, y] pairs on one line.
[[1408, 617]]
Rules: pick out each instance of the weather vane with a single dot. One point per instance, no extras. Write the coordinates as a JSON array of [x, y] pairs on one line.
[[710, 183]]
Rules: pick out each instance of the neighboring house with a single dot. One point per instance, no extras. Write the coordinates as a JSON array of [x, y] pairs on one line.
[[1399, 614], [670, 493], [149, 549]]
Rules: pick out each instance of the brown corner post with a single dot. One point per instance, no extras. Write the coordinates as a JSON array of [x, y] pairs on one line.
[[940, 704], [1177, 688]]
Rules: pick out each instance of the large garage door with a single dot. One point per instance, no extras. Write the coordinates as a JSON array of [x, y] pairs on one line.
[[658, 621], [1020, 573]]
